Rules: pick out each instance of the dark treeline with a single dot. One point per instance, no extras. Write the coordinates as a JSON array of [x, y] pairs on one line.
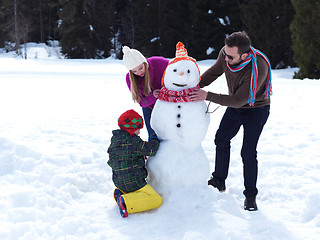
[[99, 28]]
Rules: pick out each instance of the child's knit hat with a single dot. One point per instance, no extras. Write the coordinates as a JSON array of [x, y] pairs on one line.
[[130, 121], [132, 58]]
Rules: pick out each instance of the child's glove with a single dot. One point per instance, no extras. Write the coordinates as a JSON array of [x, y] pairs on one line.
[[155, 137]]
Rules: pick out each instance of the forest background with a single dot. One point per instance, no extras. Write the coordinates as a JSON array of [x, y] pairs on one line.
[[287, 31]]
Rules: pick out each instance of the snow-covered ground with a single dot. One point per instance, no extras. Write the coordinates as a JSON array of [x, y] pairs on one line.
[[55, 126]]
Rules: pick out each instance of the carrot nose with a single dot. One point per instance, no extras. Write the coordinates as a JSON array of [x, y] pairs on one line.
[[181, 73]]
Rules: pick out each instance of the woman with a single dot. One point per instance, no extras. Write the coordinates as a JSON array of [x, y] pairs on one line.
[[144, 80]]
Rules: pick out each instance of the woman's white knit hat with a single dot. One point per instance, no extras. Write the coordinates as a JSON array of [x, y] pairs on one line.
[[132, 58]]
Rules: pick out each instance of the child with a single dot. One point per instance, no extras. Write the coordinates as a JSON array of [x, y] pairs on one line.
[[127, 153]]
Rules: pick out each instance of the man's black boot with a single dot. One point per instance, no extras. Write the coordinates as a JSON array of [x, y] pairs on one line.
[[217, 184], [250, 203]]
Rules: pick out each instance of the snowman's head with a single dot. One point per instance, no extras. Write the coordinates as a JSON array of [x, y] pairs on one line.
[[182, 71], [181, 75]]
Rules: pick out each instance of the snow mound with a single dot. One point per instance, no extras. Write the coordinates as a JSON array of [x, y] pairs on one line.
[[32, 50]]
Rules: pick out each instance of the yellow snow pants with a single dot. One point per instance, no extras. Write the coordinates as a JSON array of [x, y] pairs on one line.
[[144, 199]]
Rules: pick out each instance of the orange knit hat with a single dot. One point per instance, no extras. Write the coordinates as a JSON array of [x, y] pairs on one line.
[[181, 54]]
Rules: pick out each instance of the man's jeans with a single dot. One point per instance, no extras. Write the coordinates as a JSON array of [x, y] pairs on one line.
[[252, 120]]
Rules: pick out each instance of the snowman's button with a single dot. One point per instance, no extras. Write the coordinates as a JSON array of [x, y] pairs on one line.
[[179, 106], [178, 125], [179, 116]]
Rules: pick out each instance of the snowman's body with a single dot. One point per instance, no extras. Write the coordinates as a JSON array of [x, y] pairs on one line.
[[181, 126], [184, 123]]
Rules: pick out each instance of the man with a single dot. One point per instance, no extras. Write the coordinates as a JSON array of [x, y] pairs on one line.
[[248, 75]]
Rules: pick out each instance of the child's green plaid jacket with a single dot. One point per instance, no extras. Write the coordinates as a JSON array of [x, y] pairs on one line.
[[127, 160]]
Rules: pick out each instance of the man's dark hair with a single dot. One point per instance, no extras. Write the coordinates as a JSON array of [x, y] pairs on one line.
[[240, 40]]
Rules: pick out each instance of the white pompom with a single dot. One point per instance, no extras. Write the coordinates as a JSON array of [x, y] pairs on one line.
[[125, 49]]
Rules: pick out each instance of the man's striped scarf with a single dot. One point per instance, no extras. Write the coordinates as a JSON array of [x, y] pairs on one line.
[[254, 74], [176, 96]]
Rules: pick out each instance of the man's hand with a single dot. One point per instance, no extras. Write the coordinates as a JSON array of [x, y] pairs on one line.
[[198, 95]]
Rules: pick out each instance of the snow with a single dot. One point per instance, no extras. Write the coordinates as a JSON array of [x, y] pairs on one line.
[[55, 126]]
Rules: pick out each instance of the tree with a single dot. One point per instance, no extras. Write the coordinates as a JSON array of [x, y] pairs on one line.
[[175, 26], [131, 18], [212, 20], [84, 28], [27, 20], [195, 23], [267, 23], [155, 27], [4, 28], [16, 22], [305, 30], [44, 20]]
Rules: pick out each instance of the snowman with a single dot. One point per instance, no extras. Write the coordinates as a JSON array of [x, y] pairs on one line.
[[181, 125]]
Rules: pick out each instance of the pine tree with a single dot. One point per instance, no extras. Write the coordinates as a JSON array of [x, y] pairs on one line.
[[17, 22], [200, 24], [267, 23], [101, 18], [128, 24], [305, 30], [232, 15], [211, 23], [194, 23], [22, 21], [150, 38], [175, 26], [5, 7], [44, 20], [84, 28]]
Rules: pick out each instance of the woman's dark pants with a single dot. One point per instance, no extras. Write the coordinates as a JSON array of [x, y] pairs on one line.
[[147, 116]]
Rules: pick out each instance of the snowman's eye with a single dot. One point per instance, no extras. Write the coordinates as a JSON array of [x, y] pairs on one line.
[[188, 71], [174, 70]]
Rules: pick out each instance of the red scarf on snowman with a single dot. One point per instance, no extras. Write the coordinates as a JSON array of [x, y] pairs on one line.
[[183, 95], [176, 96]]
